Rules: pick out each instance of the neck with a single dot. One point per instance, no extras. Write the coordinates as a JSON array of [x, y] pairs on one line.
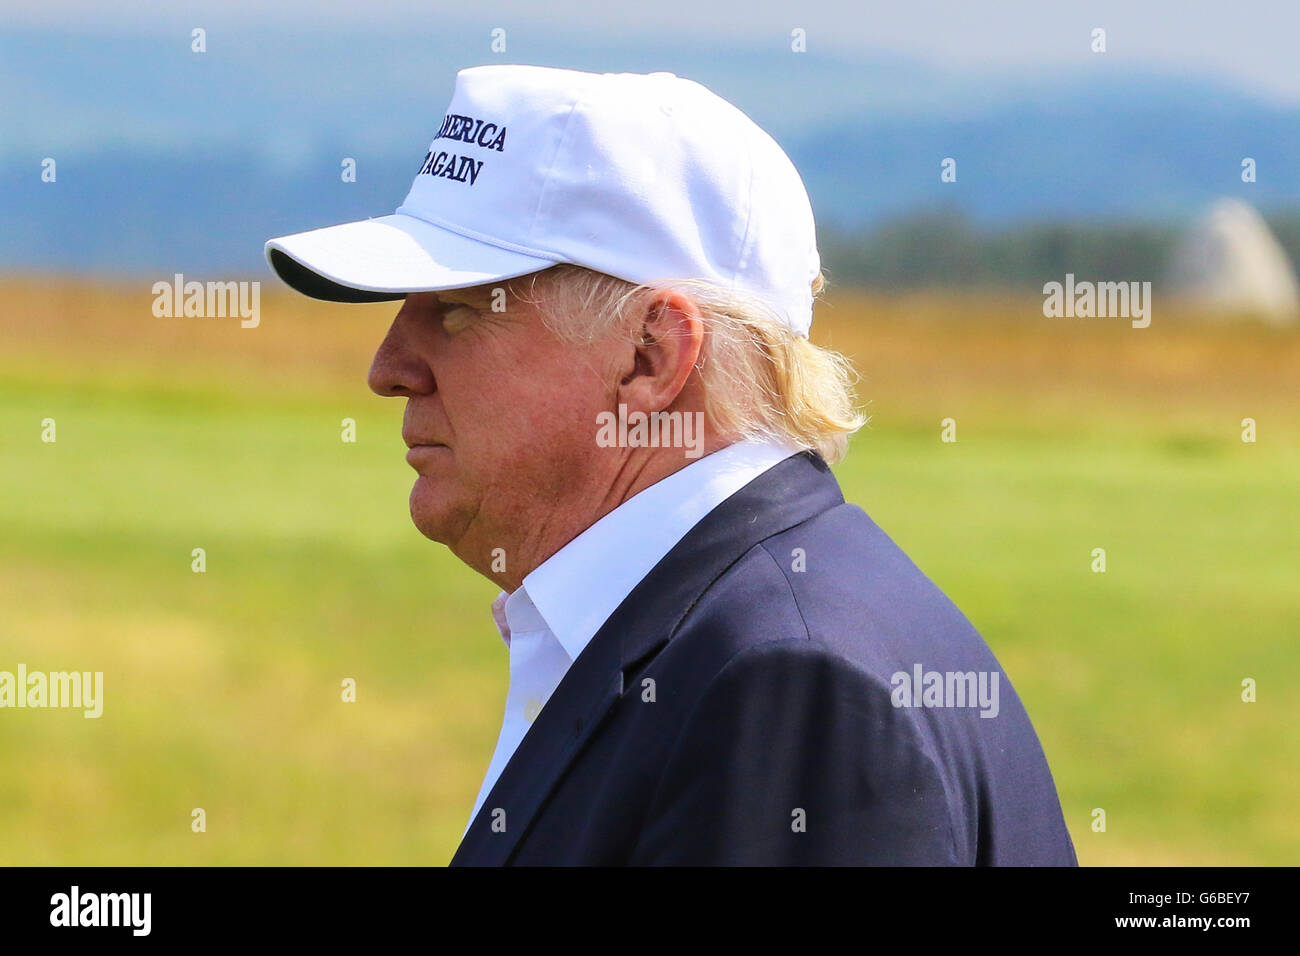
[[534, 537]]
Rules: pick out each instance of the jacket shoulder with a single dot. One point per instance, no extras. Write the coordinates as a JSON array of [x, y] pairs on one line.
[[792, 756]]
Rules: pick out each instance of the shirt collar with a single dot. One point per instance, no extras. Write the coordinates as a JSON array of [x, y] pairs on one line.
[[575, 590], [516, 614]]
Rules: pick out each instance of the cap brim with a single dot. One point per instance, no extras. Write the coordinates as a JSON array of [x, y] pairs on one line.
[[379, 260]]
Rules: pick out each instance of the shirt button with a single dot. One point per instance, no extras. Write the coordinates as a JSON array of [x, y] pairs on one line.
[[532, 707]]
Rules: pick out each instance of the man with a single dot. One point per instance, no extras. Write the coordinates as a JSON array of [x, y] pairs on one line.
[[615, 414]]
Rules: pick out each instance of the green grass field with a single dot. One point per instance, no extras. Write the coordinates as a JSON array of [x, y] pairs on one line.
[[222, 689]]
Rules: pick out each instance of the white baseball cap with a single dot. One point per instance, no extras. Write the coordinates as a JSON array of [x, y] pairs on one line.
[[643, 177]]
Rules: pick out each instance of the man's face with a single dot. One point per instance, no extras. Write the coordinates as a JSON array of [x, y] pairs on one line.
[[500, 416]]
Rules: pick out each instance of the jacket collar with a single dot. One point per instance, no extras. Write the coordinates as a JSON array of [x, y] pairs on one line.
[[788, 494]]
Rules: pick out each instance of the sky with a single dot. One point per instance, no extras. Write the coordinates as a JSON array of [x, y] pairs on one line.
[[1250, 43]]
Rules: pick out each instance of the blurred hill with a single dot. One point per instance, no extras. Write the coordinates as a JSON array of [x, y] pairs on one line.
[[944, 246]]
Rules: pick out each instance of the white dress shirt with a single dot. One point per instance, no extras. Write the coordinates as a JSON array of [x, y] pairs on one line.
[[561, 605]]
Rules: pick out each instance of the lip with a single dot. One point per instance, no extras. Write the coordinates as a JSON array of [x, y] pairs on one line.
[[423, 452], [413, 441]]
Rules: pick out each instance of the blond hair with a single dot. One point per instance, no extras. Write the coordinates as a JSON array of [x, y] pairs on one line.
[[759, 377]]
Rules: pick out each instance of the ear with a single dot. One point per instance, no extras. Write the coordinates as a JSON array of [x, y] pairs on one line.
[[667, 344]]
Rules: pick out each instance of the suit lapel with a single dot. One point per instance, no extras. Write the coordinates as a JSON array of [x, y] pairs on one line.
[[786, 495]]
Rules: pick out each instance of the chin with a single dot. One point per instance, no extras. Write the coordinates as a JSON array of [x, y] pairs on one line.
[[431, 512]]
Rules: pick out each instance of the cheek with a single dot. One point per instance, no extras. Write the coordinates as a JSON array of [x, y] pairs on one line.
[[535, 424], [562, 404], [505, 411], [519, 408]]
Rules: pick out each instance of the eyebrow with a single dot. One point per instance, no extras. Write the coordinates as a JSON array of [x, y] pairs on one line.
[[468, 296]]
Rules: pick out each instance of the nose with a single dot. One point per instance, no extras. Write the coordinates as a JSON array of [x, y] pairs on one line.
[[398, 368]]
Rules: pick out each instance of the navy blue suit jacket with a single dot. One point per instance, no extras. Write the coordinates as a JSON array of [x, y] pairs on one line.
[[738, 708]]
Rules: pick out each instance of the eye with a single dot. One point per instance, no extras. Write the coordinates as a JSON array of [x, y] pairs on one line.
[[456, 316]]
